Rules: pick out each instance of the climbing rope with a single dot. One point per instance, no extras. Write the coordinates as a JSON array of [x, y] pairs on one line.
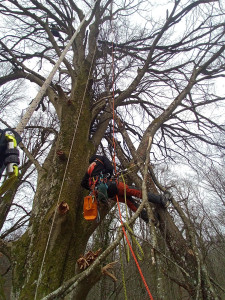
[[67, 164], [114, 161], [134, 240], [125, 196], [64, 176], [132, 252], [123, 273]]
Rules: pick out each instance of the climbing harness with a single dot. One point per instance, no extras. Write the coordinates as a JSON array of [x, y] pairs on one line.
[[102, 192], [90, 206], [98, 185], [9, 157], [98, 194]]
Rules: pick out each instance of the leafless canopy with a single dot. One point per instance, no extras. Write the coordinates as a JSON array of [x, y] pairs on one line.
[[146, 76]]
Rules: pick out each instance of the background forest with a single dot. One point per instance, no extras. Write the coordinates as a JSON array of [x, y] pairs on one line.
[[143, 84]]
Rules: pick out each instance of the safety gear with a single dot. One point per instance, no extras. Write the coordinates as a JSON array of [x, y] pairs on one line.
[[102, 192], [112, 189], [90, 207], [9, 157], [99, 177], [99, 166], [165, 200], [9, 154]]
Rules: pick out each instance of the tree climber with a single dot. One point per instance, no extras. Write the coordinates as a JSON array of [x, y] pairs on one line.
[[55, 32], [99, 176]]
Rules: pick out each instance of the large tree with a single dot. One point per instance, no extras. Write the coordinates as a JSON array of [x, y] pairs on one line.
[[138, 79]]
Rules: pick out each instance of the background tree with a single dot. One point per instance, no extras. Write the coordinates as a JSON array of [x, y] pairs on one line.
[[155, 67]]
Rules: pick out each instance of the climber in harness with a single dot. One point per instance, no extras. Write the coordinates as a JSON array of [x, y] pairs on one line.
[[99, 177], [9, 156]]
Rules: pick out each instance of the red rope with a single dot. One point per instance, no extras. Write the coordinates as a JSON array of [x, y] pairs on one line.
[[113, 110], [114, 162], [132, 252]]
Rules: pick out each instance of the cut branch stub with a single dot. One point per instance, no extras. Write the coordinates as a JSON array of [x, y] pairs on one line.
[[69, 102], [87, 259], [63, 208], [61, 155], [109, 267]]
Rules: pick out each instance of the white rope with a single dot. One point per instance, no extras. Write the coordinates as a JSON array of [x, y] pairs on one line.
[[42, 91], [64, 176]]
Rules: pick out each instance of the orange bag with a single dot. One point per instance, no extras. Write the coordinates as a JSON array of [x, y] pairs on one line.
[[90, 208]]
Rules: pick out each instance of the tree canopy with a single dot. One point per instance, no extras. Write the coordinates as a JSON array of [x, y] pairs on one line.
[[142, 81]]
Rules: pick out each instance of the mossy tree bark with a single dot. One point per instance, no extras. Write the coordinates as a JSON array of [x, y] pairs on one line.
[[69, 233]]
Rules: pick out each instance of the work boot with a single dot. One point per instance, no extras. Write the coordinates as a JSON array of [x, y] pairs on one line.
[[165, 200], [153, 198]]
